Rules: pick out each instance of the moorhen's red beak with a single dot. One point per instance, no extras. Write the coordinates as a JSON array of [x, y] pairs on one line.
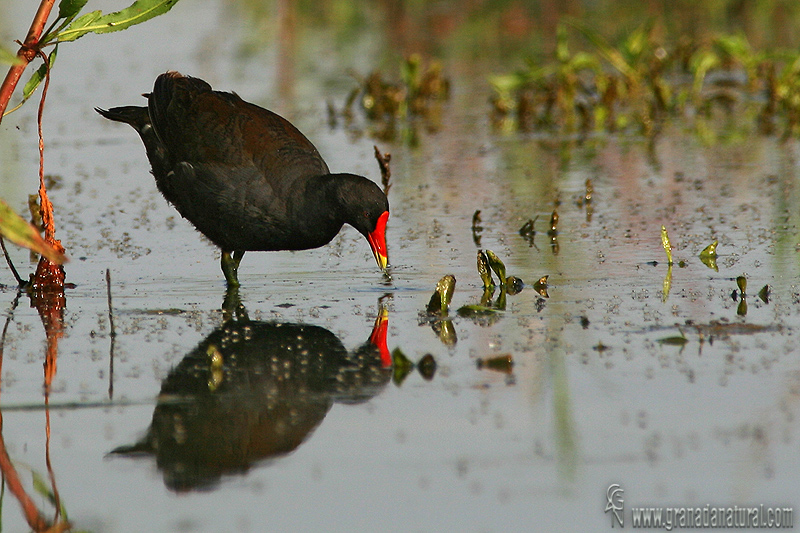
[[377, 241]]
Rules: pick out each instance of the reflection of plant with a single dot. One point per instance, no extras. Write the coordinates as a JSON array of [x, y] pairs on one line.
[[639, 81], [10, 476]]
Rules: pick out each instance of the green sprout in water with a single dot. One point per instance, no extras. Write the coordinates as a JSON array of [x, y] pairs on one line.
[[440, 300], [484, 271], [741, 282], [709, 256], [666, 244], [498, 267], [763, 294]]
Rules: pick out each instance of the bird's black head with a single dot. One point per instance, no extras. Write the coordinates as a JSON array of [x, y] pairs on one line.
[[366, 208]]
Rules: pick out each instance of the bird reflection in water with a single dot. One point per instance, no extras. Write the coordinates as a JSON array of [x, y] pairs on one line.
[[252, 391]]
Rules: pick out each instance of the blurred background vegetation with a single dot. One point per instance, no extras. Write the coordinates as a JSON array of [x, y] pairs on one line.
[[475, 29]]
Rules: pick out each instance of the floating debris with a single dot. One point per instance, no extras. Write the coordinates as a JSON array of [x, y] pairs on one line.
[[541, 286], [427, 367], [442, 296], [500, 363], [709, 256], [585, 322]]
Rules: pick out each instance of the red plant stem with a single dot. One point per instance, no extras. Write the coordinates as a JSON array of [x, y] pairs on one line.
[[26, 53], [44, 202]]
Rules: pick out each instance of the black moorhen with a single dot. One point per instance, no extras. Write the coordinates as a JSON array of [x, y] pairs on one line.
[[245, 177]]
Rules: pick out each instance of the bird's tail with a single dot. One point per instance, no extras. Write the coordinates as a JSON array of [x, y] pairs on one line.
[[136, 116]]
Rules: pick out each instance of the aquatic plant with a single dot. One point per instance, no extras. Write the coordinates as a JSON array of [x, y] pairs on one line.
[[393, 105], [642, 80]]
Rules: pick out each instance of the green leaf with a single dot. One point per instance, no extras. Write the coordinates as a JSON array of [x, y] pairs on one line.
[[710, 250], [95, 22], [38, 75], [69, 8], [15, 229], [483, 270], [41, 487], [8, 57], [139, 11], [497, 265], [79, 27]]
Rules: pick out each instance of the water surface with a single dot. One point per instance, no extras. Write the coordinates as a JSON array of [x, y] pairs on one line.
[[595, 396]]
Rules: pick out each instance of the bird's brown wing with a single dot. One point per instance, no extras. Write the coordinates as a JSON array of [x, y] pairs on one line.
[[200, 126]]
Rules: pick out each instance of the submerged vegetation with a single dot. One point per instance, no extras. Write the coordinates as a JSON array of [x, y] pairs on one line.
[[644, 79]]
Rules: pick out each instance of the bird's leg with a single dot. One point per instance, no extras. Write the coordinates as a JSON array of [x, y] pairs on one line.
[[230, 266]]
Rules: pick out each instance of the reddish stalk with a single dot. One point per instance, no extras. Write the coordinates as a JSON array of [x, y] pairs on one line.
[[27, 52], [46, 207]]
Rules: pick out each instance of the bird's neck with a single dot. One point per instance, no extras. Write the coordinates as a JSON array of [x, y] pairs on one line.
[[318, 205]]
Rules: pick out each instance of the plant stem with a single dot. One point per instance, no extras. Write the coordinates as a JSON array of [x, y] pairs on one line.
[[26, 53], [20, 281]]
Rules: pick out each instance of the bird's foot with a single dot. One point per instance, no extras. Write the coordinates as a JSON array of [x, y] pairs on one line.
[[230, 267]]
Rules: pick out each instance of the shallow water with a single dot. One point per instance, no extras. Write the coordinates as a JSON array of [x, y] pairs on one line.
[[595, 395]]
